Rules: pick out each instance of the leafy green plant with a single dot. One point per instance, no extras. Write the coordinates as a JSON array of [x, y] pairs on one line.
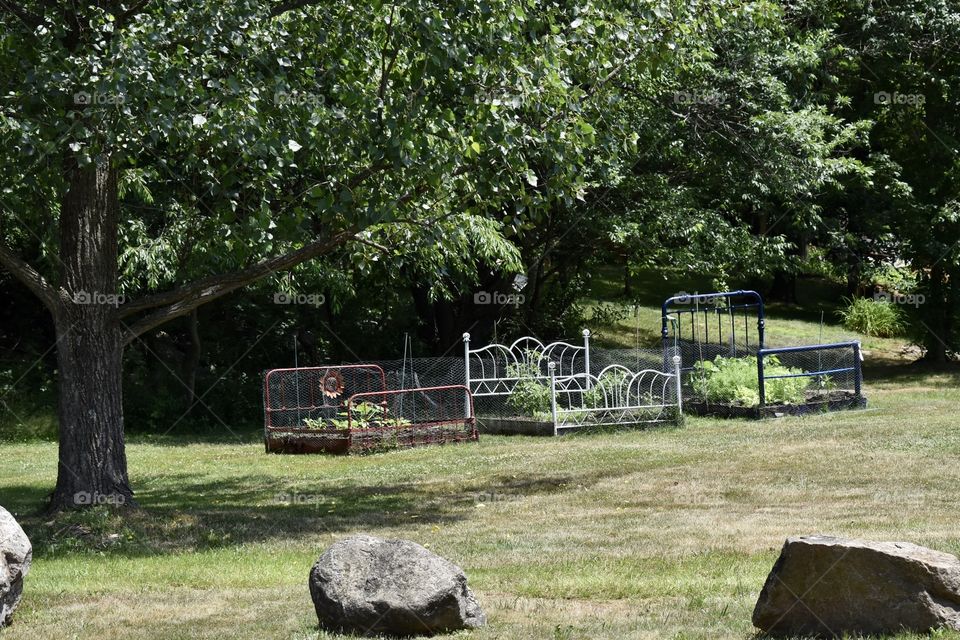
[[365, 415], [316, 423], [734, 381], [891, 278], [342, 422], [783, 390], [531, 394], [879, 318]]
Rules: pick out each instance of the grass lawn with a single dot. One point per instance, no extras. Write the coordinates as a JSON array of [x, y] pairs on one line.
[[658, 533], [641, 534]]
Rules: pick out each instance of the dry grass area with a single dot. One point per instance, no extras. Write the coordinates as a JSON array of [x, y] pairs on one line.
[[643, 534]]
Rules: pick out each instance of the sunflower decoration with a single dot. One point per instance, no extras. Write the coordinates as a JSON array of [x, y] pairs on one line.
[[332, 384]]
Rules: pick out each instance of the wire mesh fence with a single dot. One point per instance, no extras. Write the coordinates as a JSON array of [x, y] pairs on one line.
[[293, 396], [355, 408], [634, 359], [764, 382], [522, 388], [410, 418], [616, 395], [827, 374]]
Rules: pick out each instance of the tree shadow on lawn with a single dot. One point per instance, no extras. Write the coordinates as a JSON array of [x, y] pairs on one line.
[[177, 513], [913, 374]]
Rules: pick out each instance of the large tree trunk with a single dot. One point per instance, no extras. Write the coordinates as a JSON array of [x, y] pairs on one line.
[[93, 463], [938, 321]]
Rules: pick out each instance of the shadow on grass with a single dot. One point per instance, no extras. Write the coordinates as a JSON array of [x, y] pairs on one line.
[[178, 513], [915, 373]]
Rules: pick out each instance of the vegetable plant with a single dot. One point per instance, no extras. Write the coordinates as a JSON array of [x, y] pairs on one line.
[[734, 381], [365, 415]]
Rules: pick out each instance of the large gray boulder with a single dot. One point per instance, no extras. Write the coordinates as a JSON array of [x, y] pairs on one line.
[[366, 585], [15, 557], [825, 586]]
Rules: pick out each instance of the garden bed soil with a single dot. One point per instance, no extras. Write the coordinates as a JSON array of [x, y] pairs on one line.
[[300, 440], [817, 403], [419, 435], [342, 442]]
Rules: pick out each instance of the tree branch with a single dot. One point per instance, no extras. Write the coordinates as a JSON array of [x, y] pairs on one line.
[[370, 243], [185, 299], [28, 18], [31, 278], [386, 68]]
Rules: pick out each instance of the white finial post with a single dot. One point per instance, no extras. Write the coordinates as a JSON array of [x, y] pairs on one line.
[[466, 368], [586, 355], [676, 373], [552, 367]]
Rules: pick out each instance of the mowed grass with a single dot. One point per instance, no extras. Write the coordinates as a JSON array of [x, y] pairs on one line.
[[660, 533]]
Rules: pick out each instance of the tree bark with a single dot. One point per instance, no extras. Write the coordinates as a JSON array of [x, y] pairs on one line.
[[938, 335], [93, 462]]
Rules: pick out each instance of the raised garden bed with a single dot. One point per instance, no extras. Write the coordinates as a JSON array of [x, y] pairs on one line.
[[313, 410], [816, 403]]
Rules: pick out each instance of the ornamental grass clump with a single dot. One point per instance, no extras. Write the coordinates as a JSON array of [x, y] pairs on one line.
[[878, 318]]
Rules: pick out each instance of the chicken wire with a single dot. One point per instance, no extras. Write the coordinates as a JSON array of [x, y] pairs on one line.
[[362, 407], [410, 418], [494, 383], [788, 380], [617, 395], [291, 396], [825, 375]]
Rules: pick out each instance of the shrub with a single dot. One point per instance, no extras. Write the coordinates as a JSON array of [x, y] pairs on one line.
[[734, 381], [878, 318]]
